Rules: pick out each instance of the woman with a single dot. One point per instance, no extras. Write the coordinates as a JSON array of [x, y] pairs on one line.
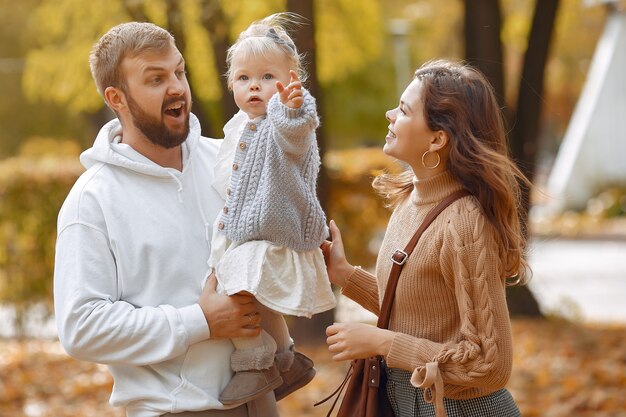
[[449, 337]]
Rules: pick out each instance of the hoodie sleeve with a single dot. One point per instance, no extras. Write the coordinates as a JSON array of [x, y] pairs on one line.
[[93, 323], [294, 129]]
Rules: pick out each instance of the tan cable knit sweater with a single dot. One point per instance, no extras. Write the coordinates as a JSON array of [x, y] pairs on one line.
[[450, 308]]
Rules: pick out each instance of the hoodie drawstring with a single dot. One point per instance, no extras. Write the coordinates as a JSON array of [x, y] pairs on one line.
[[180, 185]]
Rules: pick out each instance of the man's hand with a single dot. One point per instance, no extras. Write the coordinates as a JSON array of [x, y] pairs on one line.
[[229, 316], [291, 96]]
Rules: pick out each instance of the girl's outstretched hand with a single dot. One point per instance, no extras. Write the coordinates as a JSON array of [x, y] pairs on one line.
[[347, 341], [337, 266], [291, 96]]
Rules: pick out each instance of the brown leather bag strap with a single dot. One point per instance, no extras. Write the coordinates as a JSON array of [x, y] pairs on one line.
[[399, 257]]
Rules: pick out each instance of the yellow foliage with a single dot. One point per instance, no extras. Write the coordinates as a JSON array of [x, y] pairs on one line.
[[31, 193], [353, 164], [516, 26], [69, 21], [352, 203], [243, 12], [349, 35], [156, 11], [198, 54], [61, 75], [59, 71], [40, 147]]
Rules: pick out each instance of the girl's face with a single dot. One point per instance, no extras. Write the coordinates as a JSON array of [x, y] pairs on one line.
[[409, 135], [254, 80]]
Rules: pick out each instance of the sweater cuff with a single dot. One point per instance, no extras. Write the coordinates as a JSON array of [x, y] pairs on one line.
[[406, 352], [360, 285], [291, 113], [195, 323]]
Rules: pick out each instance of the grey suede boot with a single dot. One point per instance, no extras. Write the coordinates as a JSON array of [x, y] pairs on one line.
[[255, 373], [300, 373], [248, 385]]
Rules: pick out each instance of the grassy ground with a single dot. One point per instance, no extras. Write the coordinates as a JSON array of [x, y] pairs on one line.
[[560, 370]]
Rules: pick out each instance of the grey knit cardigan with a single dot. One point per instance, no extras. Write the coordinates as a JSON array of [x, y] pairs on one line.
[[272, 194]]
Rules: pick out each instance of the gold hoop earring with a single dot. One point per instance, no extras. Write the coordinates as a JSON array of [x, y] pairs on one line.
[[424, 162]]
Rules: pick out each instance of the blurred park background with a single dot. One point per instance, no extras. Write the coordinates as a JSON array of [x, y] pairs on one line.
[[556, 65]]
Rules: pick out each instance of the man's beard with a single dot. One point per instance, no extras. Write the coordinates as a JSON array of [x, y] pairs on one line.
[[154, 129]]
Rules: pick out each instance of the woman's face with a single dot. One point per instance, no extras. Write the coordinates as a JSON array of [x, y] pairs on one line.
[[409, 136]]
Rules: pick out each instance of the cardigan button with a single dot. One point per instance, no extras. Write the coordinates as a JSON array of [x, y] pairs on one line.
[[242, 146], [228, 192], [235, 167], [253, 127], [220, 226], [225, 209]]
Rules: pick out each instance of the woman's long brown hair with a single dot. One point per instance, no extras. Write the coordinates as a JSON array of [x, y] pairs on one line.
[[460, 101]]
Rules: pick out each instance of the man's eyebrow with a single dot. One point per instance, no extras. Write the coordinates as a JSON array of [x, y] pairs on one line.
[[161, 68]]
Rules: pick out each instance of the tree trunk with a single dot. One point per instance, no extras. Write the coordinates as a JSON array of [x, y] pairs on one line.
[[525, 133], [215, 22], [483, 49], [175, 26], [528, 110], [483, 46], [311, 331]]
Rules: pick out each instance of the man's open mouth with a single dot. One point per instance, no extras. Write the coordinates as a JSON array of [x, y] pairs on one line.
[[175, 110]]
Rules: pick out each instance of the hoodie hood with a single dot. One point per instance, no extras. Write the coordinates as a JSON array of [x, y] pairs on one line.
[[102, 150]]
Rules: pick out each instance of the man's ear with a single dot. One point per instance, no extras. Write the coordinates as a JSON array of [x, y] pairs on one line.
[[439, 141], [115, 99]]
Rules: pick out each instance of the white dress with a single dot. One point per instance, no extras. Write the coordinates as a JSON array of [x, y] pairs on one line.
[[280, 278]]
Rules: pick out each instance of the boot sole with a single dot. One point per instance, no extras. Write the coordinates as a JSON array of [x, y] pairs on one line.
[[305, 379], [253, 395]]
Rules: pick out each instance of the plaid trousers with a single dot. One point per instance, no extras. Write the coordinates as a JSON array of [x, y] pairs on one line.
[[408, 401]]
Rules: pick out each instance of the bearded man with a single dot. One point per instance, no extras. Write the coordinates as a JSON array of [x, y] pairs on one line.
[[134, 237]]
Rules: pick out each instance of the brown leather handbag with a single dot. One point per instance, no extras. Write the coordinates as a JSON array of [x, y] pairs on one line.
[[366, 393]]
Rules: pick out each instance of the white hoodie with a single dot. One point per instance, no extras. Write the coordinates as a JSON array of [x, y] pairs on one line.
[[131, 256]]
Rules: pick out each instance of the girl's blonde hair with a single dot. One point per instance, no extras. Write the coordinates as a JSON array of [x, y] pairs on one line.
[[459, 100], [266, 36]]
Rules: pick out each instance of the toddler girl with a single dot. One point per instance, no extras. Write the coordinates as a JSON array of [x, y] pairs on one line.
[[266, 242]]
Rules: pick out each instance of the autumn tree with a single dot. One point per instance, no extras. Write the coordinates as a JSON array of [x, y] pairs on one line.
[[484, 49], [56, 71]]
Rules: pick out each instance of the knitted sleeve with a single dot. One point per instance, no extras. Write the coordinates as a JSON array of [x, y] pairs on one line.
[[294, 129], [482, 357], [362, 287]]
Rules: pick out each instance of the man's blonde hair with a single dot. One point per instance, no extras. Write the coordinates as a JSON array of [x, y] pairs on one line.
[[122, 41]]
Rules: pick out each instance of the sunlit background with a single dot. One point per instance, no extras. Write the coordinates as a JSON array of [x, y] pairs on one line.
[[556, 65]]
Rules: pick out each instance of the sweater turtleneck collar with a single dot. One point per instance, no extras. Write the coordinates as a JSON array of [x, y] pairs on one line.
[[434, 189]]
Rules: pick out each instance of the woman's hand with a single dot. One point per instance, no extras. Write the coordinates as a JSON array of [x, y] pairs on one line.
[[347, 341], [337, 265]]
